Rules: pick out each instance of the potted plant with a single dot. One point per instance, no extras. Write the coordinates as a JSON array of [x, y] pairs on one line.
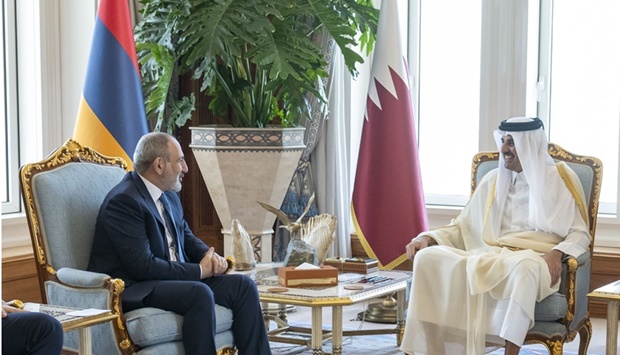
[[260, 63], [255, 57]]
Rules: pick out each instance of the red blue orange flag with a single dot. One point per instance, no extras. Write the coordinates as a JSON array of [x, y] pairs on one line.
[[388, 207], [111, 116]]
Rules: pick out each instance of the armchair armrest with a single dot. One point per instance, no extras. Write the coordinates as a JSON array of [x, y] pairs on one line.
[[71, 285], [84, 289], [81, 278], [582, 259], [575, 286]]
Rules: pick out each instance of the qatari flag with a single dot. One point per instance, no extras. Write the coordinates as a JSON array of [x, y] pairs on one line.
[[388, 206]]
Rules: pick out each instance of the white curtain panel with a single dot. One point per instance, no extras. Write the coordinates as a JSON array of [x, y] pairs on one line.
[[330, 160]]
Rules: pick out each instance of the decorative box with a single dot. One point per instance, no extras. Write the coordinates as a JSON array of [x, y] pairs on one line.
[[289, 276], [338, 263], [356, 265]]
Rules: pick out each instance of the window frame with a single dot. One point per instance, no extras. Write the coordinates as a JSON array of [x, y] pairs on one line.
[[607, 211], [10, 129], [500, 34], [47, 96]]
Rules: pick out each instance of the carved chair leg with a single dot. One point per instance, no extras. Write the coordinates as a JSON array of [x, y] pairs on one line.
[[555, 347], [585, 335]]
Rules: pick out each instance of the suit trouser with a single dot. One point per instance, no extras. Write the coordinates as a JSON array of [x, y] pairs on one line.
[[31, 333], [195, 301]]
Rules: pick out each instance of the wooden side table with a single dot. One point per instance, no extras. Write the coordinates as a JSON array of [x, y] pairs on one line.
[[70, 322], [611, 294]]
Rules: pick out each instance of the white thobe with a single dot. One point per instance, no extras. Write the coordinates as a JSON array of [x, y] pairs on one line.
[[470, 291]]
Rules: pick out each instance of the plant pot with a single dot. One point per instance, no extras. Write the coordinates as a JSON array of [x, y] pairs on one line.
[[241, 166]]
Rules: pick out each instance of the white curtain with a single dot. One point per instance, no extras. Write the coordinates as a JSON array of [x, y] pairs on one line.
[[335, 139], [334, 158]]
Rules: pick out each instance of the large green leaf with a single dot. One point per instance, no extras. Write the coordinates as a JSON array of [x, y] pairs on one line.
[[256, 57]]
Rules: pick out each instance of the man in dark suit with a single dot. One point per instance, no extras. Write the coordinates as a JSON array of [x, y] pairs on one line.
[[136, 240], [32, 333]]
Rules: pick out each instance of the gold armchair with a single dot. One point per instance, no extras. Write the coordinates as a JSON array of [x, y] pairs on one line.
[[563, 315], [62, 196]]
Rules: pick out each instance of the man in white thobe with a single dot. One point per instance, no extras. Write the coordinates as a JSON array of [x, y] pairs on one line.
[[479, 283]]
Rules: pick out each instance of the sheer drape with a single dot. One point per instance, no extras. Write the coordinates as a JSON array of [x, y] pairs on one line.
[[303, 183], [336, 152], [331, 160]]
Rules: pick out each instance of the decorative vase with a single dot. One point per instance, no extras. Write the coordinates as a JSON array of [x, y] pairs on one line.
[[241, 166], [242, 249]]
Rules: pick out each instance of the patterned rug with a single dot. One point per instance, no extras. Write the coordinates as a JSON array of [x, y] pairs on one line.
[[359, 345], [384, 345]]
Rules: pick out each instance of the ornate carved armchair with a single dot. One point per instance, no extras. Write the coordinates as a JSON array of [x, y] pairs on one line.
[[62, 195], [563, 315]]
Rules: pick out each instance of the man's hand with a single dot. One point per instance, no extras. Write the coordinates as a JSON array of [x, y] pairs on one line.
[[206, 264], [554, 261], [417, 244], [6, 309], [220, 265], [212, 264]]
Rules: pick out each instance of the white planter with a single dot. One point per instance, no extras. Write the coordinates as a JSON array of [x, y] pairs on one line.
[[241, 166]]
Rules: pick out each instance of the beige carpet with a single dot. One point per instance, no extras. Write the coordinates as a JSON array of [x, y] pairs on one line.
[[386, 344]]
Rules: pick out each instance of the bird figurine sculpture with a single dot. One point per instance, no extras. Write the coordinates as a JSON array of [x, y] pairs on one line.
[[319, 232], [292, 227], [307, 238]]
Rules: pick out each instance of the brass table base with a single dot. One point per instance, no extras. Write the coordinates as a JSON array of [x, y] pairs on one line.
[[380, 312]]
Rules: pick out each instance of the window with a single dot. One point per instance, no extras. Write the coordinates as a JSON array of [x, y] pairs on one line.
[[568, 73], [449, 97], [580, 83], [39, 98], [8, 104]]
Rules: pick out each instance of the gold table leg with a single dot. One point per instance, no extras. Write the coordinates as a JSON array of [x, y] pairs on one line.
[[400, 315], [336, 330], [282, 313], [317, 331], [265, 310], [85, 341], [612, 328]]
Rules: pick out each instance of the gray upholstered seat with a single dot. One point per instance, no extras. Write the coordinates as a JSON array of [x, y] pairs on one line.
[[62, 195], [564, 314]]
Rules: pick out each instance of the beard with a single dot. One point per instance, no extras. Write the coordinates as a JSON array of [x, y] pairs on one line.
[[173, 182]]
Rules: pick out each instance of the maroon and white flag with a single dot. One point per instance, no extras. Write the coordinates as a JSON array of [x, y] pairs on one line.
[[388, 206]]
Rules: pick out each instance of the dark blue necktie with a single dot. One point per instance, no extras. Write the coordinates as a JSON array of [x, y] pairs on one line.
[[171, 226]]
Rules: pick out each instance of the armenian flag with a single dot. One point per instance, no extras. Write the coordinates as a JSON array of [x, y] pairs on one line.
[[111, 116]]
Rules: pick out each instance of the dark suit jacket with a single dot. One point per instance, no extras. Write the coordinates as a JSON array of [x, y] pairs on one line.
[[130, 241]]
